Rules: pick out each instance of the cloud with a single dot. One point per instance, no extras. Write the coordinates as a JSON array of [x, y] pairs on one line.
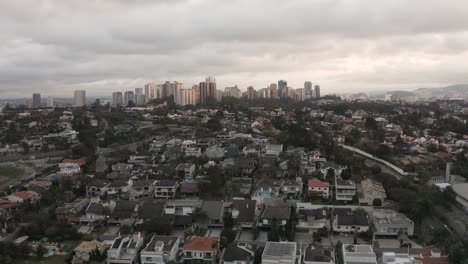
[[57, 46]]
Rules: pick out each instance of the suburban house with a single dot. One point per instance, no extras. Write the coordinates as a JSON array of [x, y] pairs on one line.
[[315, 253], [238, 253], [280, 214], [160, 250], [246, 166], [243, 213], [165, 189], [265, 188], [345, 190], [318, 188], [345, 223], [150, 211], [71, 212], [124, 213], [200, 250], [124, 250], [141, 189], [96, 188], [327, 166], [388, 222], [118, 189], [313, 219], [214, 211], [71, 166], [370, 191], [292, 189], [273, 149], [279, 253], [185, 170], [95, 214], [24, 196], [362, 254]]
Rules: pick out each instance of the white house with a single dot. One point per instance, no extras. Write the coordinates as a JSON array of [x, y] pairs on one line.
[[160, 250], [279, 253]]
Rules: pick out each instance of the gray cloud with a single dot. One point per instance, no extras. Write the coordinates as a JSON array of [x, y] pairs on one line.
[[57, 46]]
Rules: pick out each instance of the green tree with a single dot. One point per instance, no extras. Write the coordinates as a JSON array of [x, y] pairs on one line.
[[40, 251]]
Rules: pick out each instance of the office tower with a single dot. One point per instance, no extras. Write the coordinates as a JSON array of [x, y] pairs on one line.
[[300, 95], [50, 102], [219, 95], [308, 91], [273, 91], [150, 91], [250, 93], [36, 100], [138, 90], [129, 97], [317, 91], [282, 87], [291, 92], [79, 98], [207, 89], [186, 97], [27, 102], [196, 94], [117, 98], [140, 98]]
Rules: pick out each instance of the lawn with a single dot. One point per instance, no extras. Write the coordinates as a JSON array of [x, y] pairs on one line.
[[48, 260], [9, 174]]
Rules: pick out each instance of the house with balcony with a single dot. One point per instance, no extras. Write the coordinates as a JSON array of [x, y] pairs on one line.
[[160, 250], [215, 211], [200, 250], [362, 254], [345, 190], [165, 189], [292, 189], [318, 188], [141, 189], [124, 250], [270, 214], [118, 189], [24, 196], [124, 213], [185, 170], [71, 212], [96, 188], [350, 223]]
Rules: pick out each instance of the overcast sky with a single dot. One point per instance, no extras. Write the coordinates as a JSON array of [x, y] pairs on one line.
[[57, 46]]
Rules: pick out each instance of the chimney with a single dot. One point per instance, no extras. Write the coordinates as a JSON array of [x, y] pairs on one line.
[[448, 168]]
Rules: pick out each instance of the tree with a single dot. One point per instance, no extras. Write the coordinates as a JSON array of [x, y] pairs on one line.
[[40, 251], [258, 255], [188, 232], [274, 234], [339, 252]]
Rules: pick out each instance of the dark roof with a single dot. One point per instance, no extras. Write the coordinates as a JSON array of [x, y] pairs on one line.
[[118, 184], [151, 210], [277, 212], [235, 252], [342, 211], [316, 213], [189, 187], [97, 183], [95, 208], [124, 209], [142, 183], [246, 210], [359, 220], [213, 209], [244, 163], [183, 220], [317, 253]]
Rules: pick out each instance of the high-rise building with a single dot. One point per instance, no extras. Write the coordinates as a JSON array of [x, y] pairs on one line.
[[273, 91], [79, 98], [50, 102], [282, 87], [150, 89], [232, 91], [308, 91], [129, 97], [139, 96], [250, 93], [207, 89], [138, 90], [196, 94], [317, 91], [27, 102], [117, 98], [36, 100], [219, 95], [186, 97]]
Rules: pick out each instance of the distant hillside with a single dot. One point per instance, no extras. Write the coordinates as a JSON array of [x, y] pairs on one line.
[[457, 90]]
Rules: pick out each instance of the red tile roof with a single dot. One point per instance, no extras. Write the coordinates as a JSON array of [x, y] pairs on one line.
[[318, 183], [428, 257], [81, 161], [200, 244], [25, 195]]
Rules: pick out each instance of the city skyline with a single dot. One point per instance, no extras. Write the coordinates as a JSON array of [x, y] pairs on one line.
[[357, 47]]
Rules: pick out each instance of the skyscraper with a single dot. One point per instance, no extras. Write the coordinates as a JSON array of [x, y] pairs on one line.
[[50, 102], [308, 91], [79, 98], [139, 96], [129, 97], [232, 91], [250, 92], [117, 98], [273, 91], [317, 91], [207, 89], [150, 89], [282, 87], [36, 100]]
